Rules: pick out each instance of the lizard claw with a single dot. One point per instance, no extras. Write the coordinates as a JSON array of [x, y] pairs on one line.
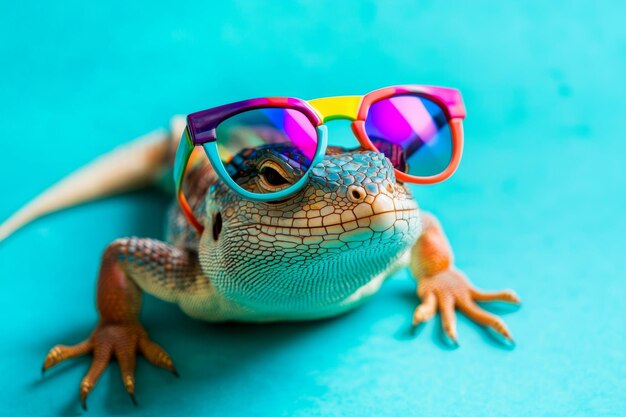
[[450, 290], [122, 340]]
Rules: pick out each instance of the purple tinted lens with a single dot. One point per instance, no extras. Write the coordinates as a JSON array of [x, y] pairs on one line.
[[286, 134], [413, 132]]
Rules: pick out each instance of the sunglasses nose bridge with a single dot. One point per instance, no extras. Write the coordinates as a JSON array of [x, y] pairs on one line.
[[337, 108]]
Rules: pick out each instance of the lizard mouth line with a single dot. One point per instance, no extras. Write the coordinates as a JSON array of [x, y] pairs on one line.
[[356, 220]]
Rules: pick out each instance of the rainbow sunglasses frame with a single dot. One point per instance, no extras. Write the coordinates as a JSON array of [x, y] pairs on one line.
[[201, 131]]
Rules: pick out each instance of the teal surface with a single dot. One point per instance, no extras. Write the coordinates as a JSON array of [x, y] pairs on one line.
[[537, 204]]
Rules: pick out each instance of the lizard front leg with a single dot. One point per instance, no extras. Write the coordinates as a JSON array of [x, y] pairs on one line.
[[443, 287], [128, 266]]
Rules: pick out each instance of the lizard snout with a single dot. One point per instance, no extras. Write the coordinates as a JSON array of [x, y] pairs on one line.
[[357, 192]]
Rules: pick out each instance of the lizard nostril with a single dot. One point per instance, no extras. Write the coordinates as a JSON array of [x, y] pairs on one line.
[[356, 194], [390, 188]]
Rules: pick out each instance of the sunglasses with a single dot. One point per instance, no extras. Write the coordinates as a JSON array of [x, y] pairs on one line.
[[418, 128]]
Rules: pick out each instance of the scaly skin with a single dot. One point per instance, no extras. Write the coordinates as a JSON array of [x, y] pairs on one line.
[[319, 253]]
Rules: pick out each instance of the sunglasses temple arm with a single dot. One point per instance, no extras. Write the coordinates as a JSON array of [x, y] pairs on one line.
[[185, 148]]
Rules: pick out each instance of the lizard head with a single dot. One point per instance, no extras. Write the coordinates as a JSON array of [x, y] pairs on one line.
[[348, 225]]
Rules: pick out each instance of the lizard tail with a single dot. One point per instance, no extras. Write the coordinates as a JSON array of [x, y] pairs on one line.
[[137, 164]]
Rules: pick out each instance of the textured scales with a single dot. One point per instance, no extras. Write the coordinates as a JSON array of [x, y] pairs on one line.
[[315, 254], [318, 253]]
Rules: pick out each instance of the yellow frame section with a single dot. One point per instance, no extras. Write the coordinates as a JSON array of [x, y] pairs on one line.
[[340, 107]]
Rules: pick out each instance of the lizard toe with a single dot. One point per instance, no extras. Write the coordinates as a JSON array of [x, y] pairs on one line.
[[120, 340], [449, 290]]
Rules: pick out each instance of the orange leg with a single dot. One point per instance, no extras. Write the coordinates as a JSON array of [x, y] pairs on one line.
[[443, 287], [119, 333]]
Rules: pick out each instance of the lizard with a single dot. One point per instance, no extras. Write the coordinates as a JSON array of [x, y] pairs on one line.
[[321, 252]]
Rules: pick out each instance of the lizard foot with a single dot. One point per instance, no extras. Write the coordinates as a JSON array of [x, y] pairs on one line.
[[122, 340], [450, 289]]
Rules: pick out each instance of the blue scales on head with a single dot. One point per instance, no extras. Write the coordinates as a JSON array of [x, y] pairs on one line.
[[367, 169]]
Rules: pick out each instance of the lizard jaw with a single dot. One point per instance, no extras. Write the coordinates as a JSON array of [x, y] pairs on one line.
[[288, 270], [375, 228]]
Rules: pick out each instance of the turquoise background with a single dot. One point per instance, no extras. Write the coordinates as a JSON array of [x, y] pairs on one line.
[[537, 204]]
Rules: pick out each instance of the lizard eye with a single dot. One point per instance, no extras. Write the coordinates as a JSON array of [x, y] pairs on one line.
[[272, 177]]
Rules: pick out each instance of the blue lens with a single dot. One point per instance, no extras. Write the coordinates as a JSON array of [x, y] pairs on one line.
[[413, 132], [248, 142]]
